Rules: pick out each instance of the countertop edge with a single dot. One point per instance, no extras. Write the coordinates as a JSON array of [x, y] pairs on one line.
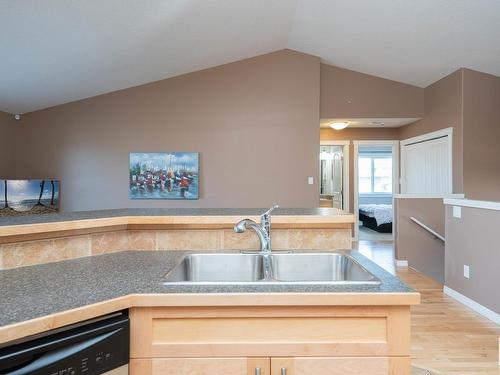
[[188, 222], [41, 324]]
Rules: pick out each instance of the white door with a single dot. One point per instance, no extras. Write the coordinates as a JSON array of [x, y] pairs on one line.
[[426, 166]]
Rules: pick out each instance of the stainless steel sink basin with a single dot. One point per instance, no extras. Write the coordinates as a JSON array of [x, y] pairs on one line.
[[218, 268], [319, 267], [282, 268]]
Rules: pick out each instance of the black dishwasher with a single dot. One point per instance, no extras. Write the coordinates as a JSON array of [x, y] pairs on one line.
[[97, 346]]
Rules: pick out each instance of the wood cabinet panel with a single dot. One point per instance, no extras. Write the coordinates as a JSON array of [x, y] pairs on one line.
[[275, 330], [270, 331], [340, 366], [200, 366]]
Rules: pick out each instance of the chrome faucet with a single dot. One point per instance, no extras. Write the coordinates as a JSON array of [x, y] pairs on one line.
[[263, 229]]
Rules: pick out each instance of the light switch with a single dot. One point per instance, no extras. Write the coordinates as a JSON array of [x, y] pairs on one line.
[[310, 180], [466, 271], [457, 212]]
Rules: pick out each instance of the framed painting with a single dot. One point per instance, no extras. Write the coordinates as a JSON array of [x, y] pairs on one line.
[[163, 175], [26, 197]]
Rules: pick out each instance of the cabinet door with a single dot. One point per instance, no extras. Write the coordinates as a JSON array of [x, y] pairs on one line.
[[200, 366], [340, 366]]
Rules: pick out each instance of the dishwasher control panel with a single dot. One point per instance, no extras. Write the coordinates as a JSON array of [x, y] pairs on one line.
[[93, 362], [87, 349]]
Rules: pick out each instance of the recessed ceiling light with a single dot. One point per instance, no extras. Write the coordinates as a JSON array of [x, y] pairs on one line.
[[339, 125]]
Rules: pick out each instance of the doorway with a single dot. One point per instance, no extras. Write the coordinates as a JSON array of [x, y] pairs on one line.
[[334, 174], [376, 180]]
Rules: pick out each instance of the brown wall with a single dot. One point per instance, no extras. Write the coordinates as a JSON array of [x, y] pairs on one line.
[[473, 240], [443, 109], [420, 248], [481, 116], [346, 93], [360, 134], [254, 122], [7, 145]]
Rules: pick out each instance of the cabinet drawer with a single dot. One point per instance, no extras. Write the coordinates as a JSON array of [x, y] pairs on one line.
[[341, 366], [270, 331], [200, 366]]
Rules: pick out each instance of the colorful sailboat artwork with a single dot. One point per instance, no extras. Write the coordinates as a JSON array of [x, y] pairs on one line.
[[164, 175]]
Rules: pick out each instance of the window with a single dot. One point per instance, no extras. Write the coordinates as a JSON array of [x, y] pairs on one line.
[[365, 175], [375, 174]]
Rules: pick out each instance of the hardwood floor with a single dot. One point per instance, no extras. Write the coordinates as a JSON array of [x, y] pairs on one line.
[[447, 337], [367, 234]]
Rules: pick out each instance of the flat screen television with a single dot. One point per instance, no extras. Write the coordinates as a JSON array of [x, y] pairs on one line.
[[28, 197]]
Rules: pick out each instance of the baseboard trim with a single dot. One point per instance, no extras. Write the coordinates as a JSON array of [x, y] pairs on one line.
[[484, 311], [401, 263]]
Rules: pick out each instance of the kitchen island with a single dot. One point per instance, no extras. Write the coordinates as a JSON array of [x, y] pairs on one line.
[[309, 329], [67, 268]]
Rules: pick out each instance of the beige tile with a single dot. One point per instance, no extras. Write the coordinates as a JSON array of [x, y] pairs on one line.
[[319, 239], [280, 239], [250, 241], [109, 242], [72, 247], [240, 241], [142, 240], [28, 253], [189, 240]]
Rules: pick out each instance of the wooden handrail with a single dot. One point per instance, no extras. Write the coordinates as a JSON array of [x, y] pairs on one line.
[[430, 230]]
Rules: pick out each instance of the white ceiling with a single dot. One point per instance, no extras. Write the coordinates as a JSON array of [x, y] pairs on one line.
[[411, 41], [56, 51], [369, 122]]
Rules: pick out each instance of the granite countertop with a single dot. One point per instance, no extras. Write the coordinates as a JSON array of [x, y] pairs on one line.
[[37, 291], [88, 215]]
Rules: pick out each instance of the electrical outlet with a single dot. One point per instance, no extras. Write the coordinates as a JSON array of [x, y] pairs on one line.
[[457, 212], [466, 271], [310, 180]]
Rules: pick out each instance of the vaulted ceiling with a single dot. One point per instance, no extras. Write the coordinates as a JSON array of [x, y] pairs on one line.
[[56, 51]]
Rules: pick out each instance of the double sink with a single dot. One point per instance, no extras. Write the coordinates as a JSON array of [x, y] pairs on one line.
[[272, 268]]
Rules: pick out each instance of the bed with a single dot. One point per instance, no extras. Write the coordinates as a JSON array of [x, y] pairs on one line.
[[376, 216]]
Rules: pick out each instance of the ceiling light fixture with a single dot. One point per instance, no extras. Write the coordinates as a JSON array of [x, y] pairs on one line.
[[339, 125]]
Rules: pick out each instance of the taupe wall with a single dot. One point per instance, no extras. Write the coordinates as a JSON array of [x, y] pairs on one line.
[[359, 134], [420, 248], [469, 101], [481, 117], [266, 107], [7, 145], [351, 134], [443, 109], [254, 122], [346, 93], [473, 240]]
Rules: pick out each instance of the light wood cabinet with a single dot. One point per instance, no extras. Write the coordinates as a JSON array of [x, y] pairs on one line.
[[302, 340], [340, 365], [200, 366], [272, 366]]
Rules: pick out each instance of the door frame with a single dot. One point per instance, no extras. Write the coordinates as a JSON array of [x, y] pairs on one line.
[[395, 178], [345, 170]]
